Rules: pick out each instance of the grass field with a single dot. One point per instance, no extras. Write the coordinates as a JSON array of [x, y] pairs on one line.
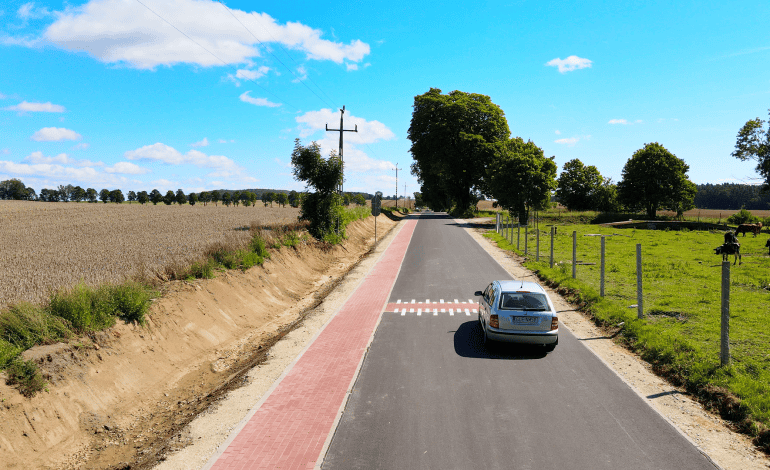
[[680, 333], [47, 246]]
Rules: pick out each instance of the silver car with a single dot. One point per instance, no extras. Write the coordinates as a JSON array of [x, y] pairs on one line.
[[518, 312]]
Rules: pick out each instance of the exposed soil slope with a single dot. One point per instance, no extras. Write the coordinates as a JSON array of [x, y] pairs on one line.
[[123, 396]]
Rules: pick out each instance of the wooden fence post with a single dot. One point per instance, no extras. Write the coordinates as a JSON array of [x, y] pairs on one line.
[[526, 237], [537, 242], [639, 296], [724, 354], [518, 235], [553, 229], [601, 271], [574, 254]]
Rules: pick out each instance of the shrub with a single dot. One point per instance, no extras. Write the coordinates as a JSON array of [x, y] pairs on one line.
[[8, 352], [249, 259], [84, 308], [130, 301], [26, 376], [742, 217], [290, 239], [25, 325], [258, 246], [202, 269]]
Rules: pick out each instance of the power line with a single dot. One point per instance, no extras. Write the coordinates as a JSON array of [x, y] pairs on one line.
[[276, 57], [290, 56], [214, 55]]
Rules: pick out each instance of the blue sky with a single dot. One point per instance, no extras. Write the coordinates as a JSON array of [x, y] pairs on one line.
[[143, 94]]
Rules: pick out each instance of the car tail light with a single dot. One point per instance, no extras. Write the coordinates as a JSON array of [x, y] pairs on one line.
[[494, 321], [554, 323]]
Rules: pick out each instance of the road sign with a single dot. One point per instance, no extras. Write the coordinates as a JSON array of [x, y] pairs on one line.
[[376, 201]]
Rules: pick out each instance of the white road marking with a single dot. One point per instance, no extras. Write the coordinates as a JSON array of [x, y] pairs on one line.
[[399, 301], [474, 311], [412, 300], [435, 312], [427, 301], [396, 310], [467, 313], [419, 312], [443, 310], [470, 301], [411, 310], [403, 312], [442, 301], [451, 311], [457, 301]]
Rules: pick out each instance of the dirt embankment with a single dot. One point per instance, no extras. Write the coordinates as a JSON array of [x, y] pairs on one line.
[[122, 396]]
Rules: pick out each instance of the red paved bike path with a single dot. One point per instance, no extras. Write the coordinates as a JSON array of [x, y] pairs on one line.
[[290, 428]]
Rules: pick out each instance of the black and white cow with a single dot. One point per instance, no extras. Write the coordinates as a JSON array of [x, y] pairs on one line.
[[729, 249]]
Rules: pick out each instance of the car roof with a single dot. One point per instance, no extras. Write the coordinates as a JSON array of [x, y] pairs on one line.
[[517, 286]]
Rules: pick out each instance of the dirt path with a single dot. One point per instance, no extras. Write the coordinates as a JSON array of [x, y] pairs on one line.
[[714, 436]]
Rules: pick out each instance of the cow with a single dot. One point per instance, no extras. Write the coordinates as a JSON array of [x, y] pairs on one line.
[[768, 246], [729, 249], [753, 228], [731, 237]]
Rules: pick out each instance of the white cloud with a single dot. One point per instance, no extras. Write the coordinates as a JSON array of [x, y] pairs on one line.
[[225, 141], [120, 31], [126, 168], [570, 142], [244, 74], [49, 170], [558, 132], [624, 122], [351, 66], [369, 132], [28, 11], [55, 134], [163, 153], [38, 157], [201, 143], [82, 146], [257, 101], [37, 107], [569, 64]]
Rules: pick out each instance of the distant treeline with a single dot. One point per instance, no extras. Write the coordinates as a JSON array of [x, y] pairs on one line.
[[15, 189], [731, 196]]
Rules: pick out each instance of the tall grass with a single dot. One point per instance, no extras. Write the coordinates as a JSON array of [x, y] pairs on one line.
[[680, 332]]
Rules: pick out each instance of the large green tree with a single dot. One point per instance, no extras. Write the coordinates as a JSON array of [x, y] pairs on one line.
[[754, 143], [324, 177], [578, 186], [522, 178], [655, 179], [454, 139]]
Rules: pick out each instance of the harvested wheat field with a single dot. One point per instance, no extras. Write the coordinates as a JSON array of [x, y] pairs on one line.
[[47, 246]]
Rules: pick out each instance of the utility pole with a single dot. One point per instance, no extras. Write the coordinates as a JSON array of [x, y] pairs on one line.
[[342, 160], [397, 168], [407, 205]]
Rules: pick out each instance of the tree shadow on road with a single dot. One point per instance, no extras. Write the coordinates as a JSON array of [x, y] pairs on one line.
[[469, 342]]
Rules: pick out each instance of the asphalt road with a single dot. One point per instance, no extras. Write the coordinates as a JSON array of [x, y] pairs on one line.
[[431, 396]]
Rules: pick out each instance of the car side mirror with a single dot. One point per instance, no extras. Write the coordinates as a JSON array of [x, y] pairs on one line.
[[478, 293]]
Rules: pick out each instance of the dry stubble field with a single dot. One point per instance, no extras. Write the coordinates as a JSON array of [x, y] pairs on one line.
[[46, 246]]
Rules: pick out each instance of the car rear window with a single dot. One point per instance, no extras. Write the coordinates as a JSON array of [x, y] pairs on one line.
[[523, 301]]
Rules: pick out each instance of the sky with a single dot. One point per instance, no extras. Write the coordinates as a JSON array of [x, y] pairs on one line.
[[199, 95]]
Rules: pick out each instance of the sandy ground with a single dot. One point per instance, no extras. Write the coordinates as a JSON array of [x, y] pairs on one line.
[[730, 450]]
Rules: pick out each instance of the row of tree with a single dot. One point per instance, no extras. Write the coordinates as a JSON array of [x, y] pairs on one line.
[[15, 189], [463, 151], [732, 196]]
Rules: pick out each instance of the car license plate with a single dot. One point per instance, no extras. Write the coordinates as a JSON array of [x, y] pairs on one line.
[[524, 320]]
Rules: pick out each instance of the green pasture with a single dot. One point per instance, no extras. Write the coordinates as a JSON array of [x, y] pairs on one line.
[[680, 333]]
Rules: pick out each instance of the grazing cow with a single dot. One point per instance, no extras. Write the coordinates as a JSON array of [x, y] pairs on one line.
[[753, 228], [730, 237], [729, 249]]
